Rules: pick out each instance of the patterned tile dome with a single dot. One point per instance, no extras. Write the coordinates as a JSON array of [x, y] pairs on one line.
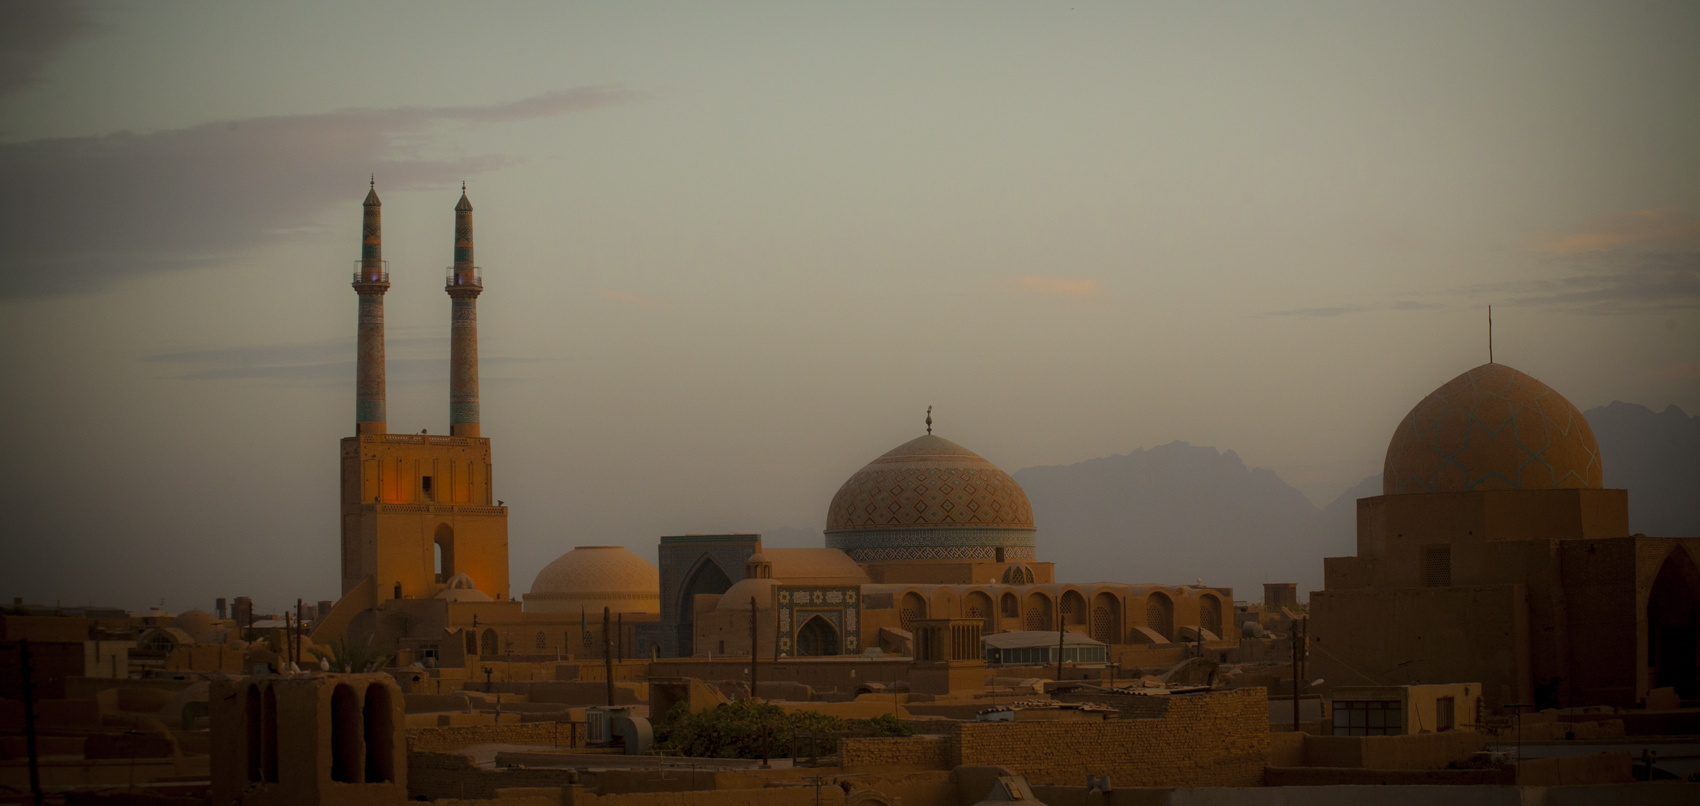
[[1492, 428], [930, 498]]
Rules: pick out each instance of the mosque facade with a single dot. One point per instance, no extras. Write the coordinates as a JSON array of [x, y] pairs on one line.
[[1496, 555]]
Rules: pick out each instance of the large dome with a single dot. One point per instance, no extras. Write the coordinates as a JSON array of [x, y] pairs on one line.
[[1492, 428], [589, 578], [931, 499]]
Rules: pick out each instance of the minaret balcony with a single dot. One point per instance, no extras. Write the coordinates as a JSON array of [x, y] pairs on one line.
[[463, 277], [371, 274]]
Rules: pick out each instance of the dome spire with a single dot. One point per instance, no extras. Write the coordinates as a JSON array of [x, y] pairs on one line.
[[1490, 334], [929, 420]]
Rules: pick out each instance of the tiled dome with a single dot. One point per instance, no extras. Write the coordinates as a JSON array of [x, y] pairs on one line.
[[927, 488], [1492, 428], [591, 577]]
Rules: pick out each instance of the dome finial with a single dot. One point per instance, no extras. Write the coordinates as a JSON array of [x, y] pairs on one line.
[[929, 419], [1490, 334], [372, 182]]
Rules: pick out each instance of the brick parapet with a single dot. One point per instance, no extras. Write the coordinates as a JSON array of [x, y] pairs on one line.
[[1215, 739]]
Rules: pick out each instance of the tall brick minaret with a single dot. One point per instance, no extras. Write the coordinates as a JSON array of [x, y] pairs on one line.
[[465, 282], [371, 280]]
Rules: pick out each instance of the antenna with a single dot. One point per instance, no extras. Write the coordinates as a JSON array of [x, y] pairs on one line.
[[1490, 334], [929, 420]]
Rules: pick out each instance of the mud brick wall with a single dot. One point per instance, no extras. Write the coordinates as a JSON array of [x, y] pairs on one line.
[[452, 775], [1215, 739], [534, 734], [907, 752]]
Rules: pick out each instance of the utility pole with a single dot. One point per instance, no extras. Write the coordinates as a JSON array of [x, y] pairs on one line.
[[1297, 670], [28, 690], [295, 649], [608, 653], [752, 647]]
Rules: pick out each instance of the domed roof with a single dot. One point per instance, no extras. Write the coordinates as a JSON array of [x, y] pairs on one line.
[[591, 577], [929, 482], [197, 623], [1492, 428], [461, 588], [738, 596]]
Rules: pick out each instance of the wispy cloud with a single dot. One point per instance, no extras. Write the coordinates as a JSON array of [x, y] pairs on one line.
[[1036, 284], [410, 359], [1679, 371], [1343, 310], [33, 34], [631, 298], [83, 212], [1633, 228]]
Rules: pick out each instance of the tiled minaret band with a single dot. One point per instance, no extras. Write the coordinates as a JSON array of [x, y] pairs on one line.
[[371, 280], [464, 285]]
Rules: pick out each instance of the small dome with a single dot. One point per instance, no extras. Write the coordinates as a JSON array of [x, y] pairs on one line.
[[738, 596], [1492, 428], [757, 559], [593, 577], [199, 624], [461, 588]]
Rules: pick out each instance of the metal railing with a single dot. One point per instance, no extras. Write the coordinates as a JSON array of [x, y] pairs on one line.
[[452, 280], [364, 275]]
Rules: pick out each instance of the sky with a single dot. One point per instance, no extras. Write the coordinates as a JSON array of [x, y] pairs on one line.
[[732, 251]]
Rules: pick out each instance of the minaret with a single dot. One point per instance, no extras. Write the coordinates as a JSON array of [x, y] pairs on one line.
[[371, 280], [465, 282]]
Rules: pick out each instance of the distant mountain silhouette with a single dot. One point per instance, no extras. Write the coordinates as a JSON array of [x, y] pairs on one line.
[[1656, 456], [1178, 512]]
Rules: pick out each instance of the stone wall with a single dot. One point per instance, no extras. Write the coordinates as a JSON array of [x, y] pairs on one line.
[[531, 734], [908, 752], [434, 775], [1214, 739]]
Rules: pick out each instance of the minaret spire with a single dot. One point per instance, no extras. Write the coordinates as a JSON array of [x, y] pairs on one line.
[[465, 282], [929, 420], [371, 280]]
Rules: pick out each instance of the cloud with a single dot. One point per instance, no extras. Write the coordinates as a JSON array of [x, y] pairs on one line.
[[33, 34], [631, 298], [83, 212], [408, 359], [1637, 227], [1680, 371], [1342, 310], [1036, 284]]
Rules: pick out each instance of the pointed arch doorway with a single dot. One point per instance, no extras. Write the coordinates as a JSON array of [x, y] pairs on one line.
[[1673, 627], [817, 638]]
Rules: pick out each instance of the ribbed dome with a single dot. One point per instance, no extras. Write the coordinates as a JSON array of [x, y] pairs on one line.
[[930, 498], [591, 577], [1492, 428]]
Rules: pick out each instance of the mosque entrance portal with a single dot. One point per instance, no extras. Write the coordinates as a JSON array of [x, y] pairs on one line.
[[817, 638], [707, 578], [1673, 627]]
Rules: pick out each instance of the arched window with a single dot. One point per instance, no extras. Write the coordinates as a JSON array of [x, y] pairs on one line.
[[1011, 606], [1018, 575], [979, 605], [1073, 607], [1210, 614], [380, 734], [445, 549], [913, 607], [1106, 619], [488, 644], [817, 638], [1038, 612], [345, 735], [268, 738], [1160, 615], [542, 642]]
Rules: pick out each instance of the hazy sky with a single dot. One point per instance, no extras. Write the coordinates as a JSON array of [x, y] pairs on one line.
[[733, 251]]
